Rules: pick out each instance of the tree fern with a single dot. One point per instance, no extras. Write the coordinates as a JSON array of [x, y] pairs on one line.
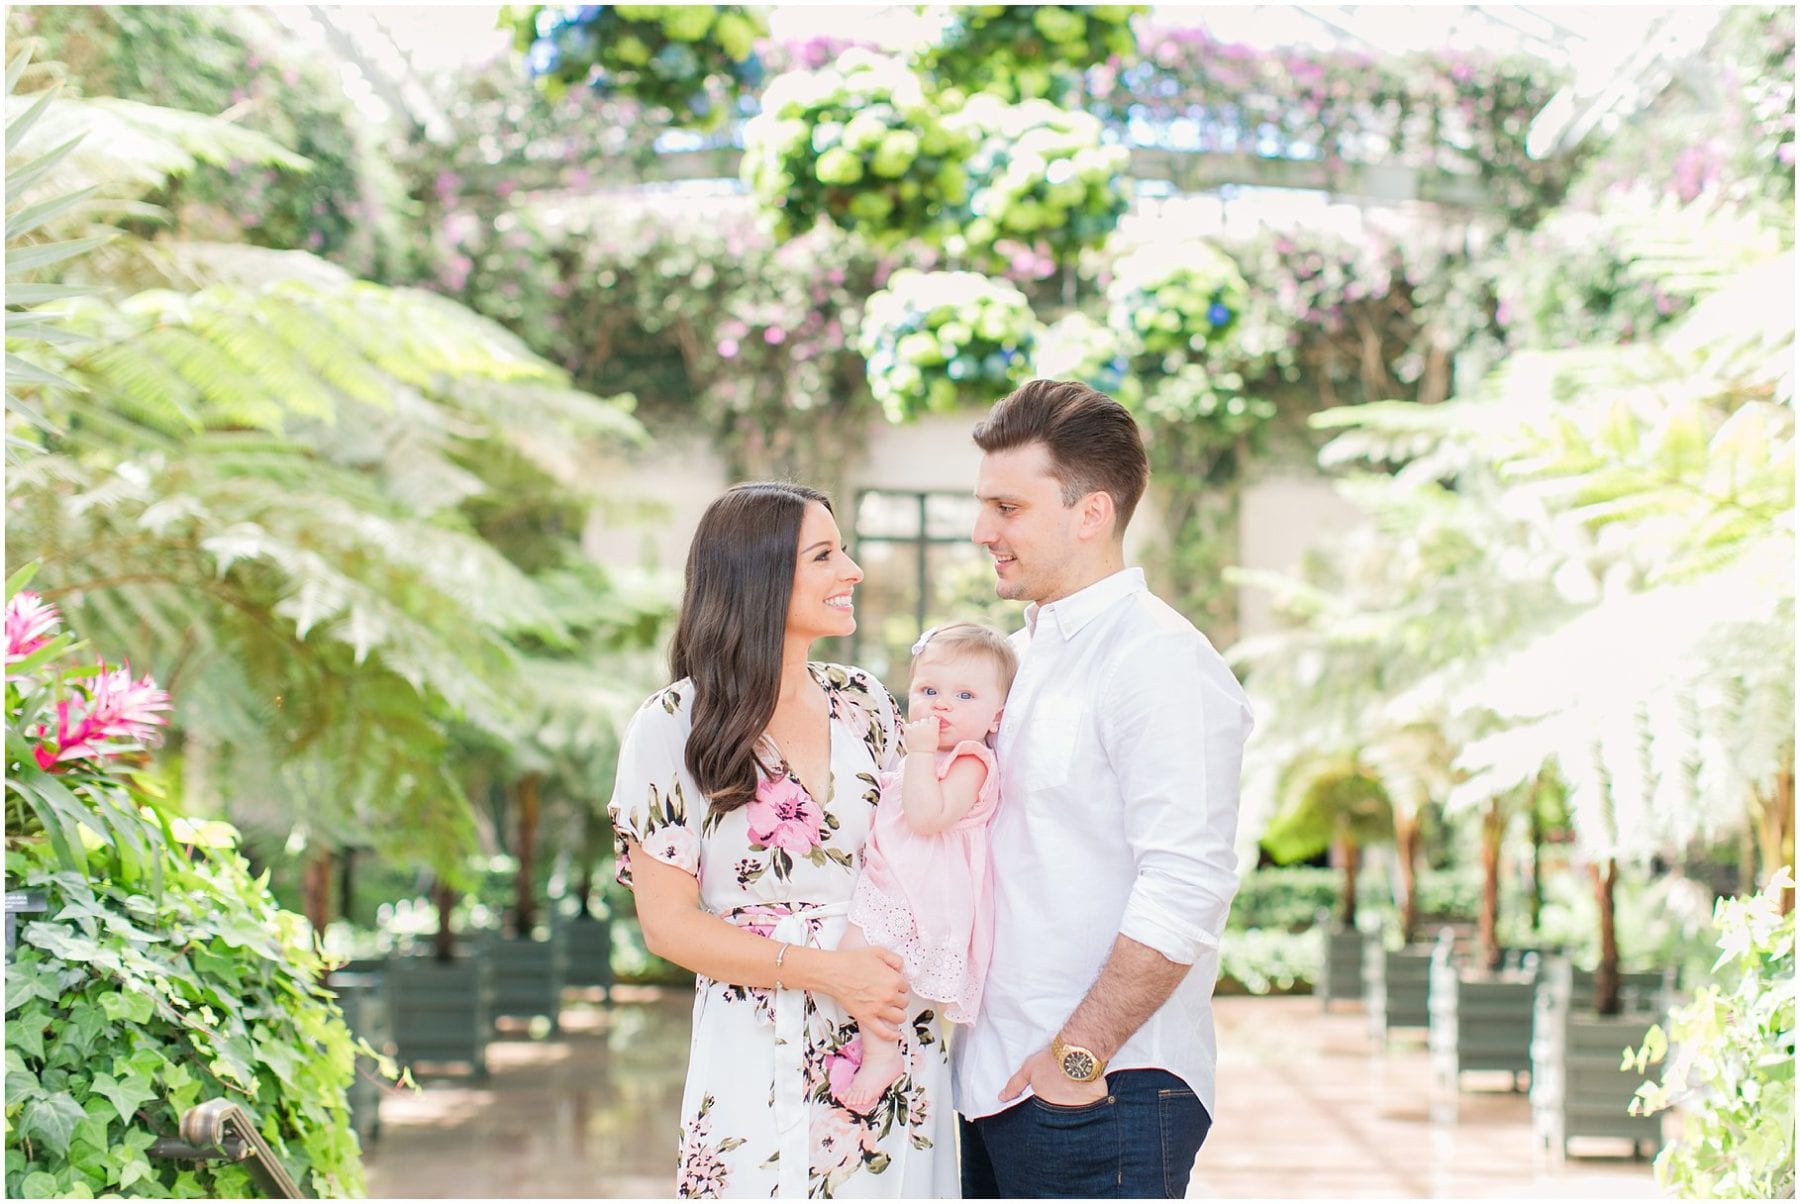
[[253, 472]]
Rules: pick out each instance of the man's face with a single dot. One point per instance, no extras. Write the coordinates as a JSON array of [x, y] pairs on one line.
[[1025, 526]]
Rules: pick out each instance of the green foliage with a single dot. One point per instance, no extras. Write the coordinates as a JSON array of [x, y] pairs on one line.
[[1575, 280], [1325, 800], [1042, 183], [709, 323], [1289, 898], [694, 62], [501, 135], [346, 204], [1726, 144], [28, 251], [1177, 301], [859, 144], [933, 339], [264, 474], [1027, 51], [161, 975], [1261, 960], [125, 1008], [1730, 1062]]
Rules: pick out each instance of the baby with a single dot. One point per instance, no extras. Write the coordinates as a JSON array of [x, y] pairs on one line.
[[924, 890]]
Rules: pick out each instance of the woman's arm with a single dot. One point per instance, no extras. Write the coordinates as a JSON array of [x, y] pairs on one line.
[[865, 981], [930, 804]]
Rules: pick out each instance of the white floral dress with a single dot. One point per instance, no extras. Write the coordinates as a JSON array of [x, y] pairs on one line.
[[759, 1116]]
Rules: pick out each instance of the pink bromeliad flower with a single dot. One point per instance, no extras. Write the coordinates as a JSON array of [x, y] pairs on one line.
[[30, 622], [121, 715]]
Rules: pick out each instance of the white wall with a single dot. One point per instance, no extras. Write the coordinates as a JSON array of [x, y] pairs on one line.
[[654, 498], [1281, 519]]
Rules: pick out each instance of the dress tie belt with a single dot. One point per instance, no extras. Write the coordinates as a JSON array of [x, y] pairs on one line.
[[793, 1134]]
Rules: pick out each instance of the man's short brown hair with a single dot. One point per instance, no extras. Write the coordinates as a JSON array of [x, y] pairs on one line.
[[1093, 441]]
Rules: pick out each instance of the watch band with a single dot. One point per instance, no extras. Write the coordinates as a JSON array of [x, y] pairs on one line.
[[1077, 1062]]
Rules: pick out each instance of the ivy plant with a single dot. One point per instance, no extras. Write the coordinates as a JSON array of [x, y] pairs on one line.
[[161, 973], [1732, 1063]]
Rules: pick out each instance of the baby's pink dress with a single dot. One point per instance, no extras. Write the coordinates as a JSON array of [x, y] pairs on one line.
[[928, 898]]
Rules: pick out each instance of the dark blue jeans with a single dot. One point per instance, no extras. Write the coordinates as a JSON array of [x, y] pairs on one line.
[[1136, 1144]]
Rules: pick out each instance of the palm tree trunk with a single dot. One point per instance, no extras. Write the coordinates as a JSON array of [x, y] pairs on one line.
[[1774, 824], [1606, 974], [1350, 855], [346, 883], [584, 876], [1537, 867], [443, 942], [524, 905], [1493, 829], [1406, 847], [315, 889]]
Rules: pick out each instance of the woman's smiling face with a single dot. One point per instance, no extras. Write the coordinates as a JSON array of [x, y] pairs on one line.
[[824, 578]]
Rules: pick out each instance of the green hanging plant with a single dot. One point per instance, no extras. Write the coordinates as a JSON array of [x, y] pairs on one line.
[[1028, 51], [859, 145], [696, 61], [1180, 301], [935, 339], [1044, 185]]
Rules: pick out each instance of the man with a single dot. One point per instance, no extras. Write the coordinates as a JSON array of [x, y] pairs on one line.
[[1090, 1069]]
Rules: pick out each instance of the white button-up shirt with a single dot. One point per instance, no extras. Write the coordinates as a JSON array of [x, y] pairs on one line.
[[1119, 754]]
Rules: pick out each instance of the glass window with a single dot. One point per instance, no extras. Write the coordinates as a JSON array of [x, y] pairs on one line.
[[920, 570]]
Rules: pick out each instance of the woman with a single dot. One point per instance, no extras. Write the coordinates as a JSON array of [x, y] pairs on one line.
[[744, 795]]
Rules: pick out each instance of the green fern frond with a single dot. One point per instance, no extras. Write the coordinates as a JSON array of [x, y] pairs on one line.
[[126, 148]]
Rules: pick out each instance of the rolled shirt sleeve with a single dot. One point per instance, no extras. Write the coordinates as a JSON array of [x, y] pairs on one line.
[[1174, 722]]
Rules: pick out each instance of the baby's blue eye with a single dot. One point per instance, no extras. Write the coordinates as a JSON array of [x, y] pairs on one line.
[[965, 696], [928, 691]]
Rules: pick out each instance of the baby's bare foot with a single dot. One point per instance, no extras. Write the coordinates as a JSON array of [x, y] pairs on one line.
[[881, 1066]]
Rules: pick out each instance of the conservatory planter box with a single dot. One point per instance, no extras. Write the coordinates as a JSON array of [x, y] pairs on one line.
[[1577, 1087], [587, 943], [363, 996], [1480, 1020], [527, 975], [1340, 967], [442, 1011], [1396, 987]]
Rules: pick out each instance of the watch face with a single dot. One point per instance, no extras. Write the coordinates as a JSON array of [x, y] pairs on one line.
[[1078, 1064]]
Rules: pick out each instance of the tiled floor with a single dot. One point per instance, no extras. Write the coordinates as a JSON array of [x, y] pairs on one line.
[[1307, 1110]]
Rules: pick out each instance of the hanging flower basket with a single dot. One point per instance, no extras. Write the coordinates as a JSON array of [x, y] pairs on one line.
[[1041, 180], [934, 340], [1077, 347], [860, 145], [1177, 301], [696, 61], [1029, 51]]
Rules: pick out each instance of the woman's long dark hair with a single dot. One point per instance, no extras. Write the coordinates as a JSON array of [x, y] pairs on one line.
[[734, 605]]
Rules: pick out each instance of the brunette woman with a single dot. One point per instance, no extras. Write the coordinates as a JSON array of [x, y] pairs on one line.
[[744, 795]]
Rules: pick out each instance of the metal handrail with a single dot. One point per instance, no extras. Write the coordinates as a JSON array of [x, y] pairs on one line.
[[220, 1130]]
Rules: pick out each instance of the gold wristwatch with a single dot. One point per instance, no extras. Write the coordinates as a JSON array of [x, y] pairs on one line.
[[1077, 1063]]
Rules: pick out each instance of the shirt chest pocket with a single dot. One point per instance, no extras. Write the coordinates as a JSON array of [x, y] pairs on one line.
[[1052, 732]]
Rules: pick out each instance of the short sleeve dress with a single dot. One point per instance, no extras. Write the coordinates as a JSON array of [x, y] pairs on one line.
[[930, 898], [759, 1115]]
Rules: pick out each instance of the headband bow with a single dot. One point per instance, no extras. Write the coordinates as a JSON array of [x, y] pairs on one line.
[[919, 644]]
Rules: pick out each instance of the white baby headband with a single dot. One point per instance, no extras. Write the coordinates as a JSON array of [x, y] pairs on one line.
[[919, 644]]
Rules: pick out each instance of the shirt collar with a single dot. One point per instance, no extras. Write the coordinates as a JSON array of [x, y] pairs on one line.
[[1074, 612]]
